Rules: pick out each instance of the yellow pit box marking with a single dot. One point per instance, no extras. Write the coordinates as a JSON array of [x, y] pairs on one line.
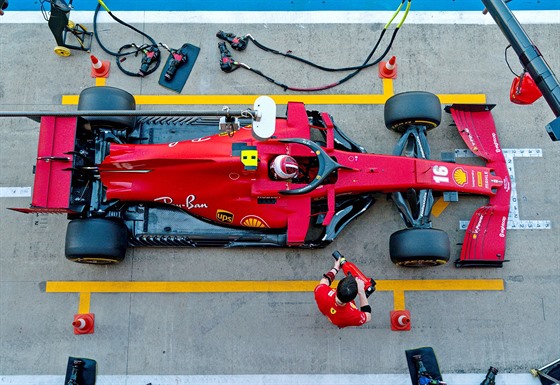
[[222, 100], [398, 287]]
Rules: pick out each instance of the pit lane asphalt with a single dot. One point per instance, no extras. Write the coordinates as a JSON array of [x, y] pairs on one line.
[[238, 333]]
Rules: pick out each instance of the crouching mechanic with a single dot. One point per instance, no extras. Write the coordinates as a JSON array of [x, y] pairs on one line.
[[338, 304]]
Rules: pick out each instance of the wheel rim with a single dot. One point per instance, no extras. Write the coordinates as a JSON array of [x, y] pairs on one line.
[[422, 263], [62, 51], [95, 261]]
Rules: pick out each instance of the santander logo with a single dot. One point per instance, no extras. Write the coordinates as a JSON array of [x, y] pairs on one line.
[[470, 137], [478, 225], [495, 141], [503, 227]]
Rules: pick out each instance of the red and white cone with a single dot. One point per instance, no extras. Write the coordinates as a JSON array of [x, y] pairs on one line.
[[388, 69], [99, 69], [83, 323], [400, 320]]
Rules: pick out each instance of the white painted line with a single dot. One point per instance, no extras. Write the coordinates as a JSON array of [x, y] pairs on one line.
[[277, 379], [281, 17], [515, 152], [514, 222], [11, 192]]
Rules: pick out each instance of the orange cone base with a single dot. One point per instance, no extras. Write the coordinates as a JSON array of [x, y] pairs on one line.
[[400, 320], [83, 323], [102, 72], [384, 73]]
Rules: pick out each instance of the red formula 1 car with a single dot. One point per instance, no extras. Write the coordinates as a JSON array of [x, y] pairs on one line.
[[130, 180]]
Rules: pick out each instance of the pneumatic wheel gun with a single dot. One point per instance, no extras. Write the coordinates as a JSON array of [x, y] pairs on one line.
[[424, 378], [237, 43], [350, 268], [150, 57], [227, 64], [178, 58], [77, 366]]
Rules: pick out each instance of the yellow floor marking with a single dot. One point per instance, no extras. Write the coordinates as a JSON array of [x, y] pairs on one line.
[[462, 98], [282, 98], [279, 99], [83, 305], [179, 287], [441, 285], [439, 206], [388, 88], [398, 300], [100, 81], [398, 287]]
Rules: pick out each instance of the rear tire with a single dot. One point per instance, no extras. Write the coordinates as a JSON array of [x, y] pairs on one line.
[[412, 108], [96, 241], [419, 247], [107, 98]]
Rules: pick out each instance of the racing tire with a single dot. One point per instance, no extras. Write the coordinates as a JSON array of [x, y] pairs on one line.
[[419, 247], [411, 109], [96, 241], [107, 99]]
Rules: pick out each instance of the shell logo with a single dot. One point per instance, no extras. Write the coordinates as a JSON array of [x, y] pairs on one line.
[[460, 176], [253, 221]]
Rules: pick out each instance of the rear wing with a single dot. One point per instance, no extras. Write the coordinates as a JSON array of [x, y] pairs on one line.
[[485, 239], [53, 175]]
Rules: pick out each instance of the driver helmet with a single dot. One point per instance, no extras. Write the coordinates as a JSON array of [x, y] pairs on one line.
[[284, 167]]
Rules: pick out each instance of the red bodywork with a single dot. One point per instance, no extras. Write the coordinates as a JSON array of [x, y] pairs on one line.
[[208, 178], [51, 188], [225, 179]]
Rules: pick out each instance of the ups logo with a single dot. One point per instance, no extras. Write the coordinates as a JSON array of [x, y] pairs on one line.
[[224, 216]]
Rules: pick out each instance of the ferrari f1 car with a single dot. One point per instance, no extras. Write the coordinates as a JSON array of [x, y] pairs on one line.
[[124, 179]]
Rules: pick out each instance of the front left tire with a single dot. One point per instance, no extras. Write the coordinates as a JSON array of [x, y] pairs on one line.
[[419, 247], [412, 108]]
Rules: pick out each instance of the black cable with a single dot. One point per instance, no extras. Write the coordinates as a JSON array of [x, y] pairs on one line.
[[507, 61], [120, 56], [44, 11], [357, 70], [310, 63]]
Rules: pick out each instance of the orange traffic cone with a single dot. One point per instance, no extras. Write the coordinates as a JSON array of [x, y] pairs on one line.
[[400, 320], [83, 323], [100, 69], [388, 70]]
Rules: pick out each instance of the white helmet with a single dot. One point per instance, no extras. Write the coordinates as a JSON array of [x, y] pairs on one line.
[[285, 167]]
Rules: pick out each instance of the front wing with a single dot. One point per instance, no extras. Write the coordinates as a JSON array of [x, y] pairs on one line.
[[485, 239]]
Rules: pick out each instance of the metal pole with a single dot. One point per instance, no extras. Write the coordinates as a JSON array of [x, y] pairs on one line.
[[38, 114], [530, 58]]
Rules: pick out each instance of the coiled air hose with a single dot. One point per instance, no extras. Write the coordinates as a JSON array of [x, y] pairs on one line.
[[356, 69], [151, 57]]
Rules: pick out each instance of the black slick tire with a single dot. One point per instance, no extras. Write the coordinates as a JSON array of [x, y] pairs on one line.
[[107, 99], [412, 108], [419, 247], [96, 241]]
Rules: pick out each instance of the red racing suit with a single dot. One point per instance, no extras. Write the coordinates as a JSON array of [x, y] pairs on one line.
[[341, 316]]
